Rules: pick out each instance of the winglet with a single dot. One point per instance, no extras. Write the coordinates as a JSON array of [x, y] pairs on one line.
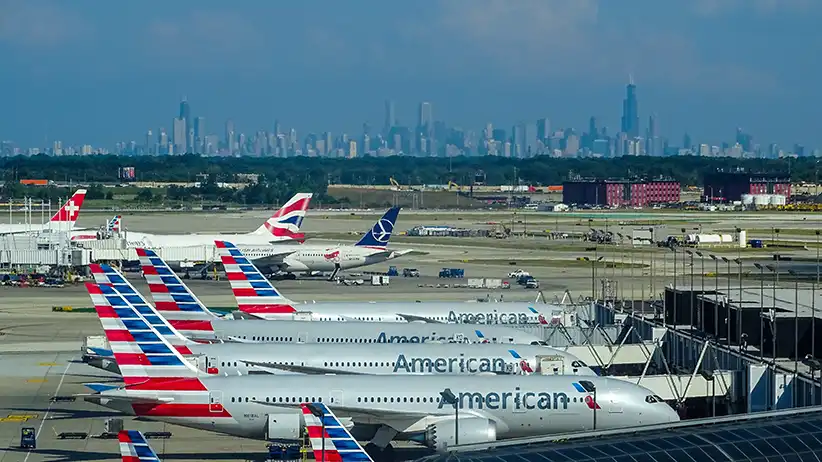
[[254, 293], [285, 223], [336, 444], [135, 448], [380, 233], [70, 211]]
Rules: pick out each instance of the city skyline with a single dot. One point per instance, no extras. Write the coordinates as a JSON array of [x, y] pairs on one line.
[[90, 73]]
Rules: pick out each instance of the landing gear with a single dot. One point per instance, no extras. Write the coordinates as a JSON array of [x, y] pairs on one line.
[[385, 454], [334, 273]]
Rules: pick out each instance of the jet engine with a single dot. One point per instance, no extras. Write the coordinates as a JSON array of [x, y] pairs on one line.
[[288, 427], [441, 435]]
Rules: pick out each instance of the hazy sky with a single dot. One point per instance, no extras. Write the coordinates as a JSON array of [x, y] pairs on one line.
[[99, 72]]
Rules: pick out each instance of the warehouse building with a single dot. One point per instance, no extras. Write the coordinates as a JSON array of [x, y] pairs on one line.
[[620, 193], [731, 186]]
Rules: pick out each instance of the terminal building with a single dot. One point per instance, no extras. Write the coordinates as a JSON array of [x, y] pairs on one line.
[[731, 186], [620, 193]]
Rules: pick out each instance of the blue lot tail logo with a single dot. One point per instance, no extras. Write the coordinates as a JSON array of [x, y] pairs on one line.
[[517, 399], [382, 230]]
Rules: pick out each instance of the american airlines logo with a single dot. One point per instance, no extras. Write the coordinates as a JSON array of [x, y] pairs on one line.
[[385, 338], [492, 317], [451, 365], [517, 399]]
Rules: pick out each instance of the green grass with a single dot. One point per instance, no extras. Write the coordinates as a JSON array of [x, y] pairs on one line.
[[547, 263]]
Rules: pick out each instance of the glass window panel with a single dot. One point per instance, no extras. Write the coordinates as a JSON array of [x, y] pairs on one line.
[[748, 449], [624, 459], [780, 445], [713, 453], [729, 436], [812, 440], [778, 430], [765, 448], [744, 434], [732, 451], [645, 445], [794, 442], [813, 424], [591, 452], [792, 458], [776, 458], [761, 432], [681, 456], [793, 429], [662, 456], [555, 456], [642, 457], [627, 447], [571, 453]]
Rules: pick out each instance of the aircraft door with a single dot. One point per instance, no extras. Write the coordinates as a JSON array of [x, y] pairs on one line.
[[215, 401], [614, 403], [212, 365], [459, 337], [551, 365], [302, 337], [335, 397]]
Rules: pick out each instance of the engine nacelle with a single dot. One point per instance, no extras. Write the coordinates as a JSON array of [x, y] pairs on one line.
[[441, 435], [288, 426]]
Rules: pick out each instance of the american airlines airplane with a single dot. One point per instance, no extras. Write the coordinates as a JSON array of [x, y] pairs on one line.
[[162, 385], [63, 220], [257, 297], [175, 297], [329, 438], [233, 359], [112, 227], [135, 448], [284, 225]]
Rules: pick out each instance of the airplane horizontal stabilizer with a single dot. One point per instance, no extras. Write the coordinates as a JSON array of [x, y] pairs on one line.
[[99, 387], [415, 318]]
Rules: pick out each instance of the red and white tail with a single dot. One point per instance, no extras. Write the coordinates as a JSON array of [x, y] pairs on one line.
[[146, 360], [174, 301], [70, 211], [108, 276], [135, 448], [254, 293], [285, 223]]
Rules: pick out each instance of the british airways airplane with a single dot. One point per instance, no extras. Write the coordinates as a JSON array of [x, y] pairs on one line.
[[162, 385], [172, 297], [258, 298]]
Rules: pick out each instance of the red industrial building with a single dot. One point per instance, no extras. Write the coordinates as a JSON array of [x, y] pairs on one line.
[[626, 193], [730, 186]]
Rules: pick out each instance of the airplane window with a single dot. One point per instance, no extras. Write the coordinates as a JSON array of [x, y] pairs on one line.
[[359, 399], [246, 399], [320, 399], [659, 398], [535, 342], [266, 399], [378, 400], [232, 399], [425, 400], [392, 399], [372, 399]]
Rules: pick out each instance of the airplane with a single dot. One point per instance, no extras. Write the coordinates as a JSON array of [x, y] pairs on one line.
[[257, 297], [160, 384], [330, 440], [372, 248], [112, 227], [135, 448], [284, 225], [233, 359], [199, 324], [63, 220]]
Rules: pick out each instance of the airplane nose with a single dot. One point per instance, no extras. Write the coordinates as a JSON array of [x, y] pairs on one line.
[[670, 414]]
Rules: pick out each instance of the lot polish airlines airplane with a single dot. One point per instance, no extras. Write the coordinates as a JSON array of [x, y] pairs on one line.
[[257, 297], [233, 359], [63, 220], [195, 321], [160, 384], [284, 225]]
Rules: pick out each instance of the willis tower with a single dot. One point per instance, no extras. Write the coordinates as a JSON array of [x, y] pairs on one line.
[[630, 114]]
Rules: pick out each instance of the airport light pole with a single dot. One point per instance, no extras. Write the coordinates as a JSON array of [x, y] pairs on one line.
[[738, 262], [674, 318], [761, 310], [702, 291], [716, 295], [693, 302], [593, 275], [775, 271], [449, 398], [728, 304], [318, 413], [795, 326], [653, 268]]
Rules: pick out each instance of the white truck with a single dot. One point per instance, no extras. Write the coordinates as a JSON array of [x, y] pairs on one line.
[[518, 274]]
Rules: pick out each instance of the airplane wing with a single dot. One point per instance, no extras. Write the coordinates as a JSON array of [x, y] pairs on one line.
[[389, 254], [415, 318], [308, 370], [274, 257], [366, 414]]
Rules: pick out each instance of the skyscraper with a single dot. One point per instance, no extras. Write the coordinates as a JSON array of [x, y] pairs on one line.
[[390, 118], [185, 115], [229, 136], [179, 136], [543, 129], [199, 134], [630, 114], [425, 117]]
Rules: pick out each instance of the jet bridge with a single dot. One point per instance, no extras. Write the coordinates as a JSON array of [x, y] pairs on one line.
[[681, 387]]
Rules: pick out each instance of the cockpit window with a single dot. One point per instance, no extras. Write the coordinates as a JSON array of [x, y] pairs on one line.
[[578, 363], [654, 399]]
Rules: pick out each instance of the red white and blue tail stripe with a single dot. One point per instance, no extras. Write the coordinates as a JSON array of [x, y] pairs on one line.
[[108, 276], [336, 444], [254, 293], [286, 222], [113, 225], [145, 358], [173, 299], [135, 448]]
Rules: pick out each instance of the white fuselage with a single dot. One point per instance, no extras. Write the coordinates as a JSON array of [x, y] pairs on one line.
[[158, 241], [232, 359], [307, 257], [517, 406], [351, 332]]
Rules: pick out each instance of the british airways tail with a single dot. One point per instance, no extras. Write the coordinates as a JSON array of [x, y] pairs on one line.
[[379, 235], [254, 293], [173, 299], [106, 275], [285, 223], [135, 448], [70, 211], [334, 445]]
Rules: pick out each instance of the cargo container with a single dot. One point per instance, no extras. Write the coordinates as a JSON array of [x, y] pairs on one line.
[[35, 182]]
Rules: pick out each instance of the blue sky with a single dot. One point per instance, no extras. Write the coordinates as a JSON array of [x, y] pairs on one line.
[[99, 72]]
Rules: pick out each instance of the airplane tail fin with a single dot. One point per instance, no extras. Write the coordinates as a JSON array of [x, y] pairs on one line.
[[254, 293], [114, 225], [108, 276], [379, 235], [174, 300], [337, 444], [146, 360], [135, 448], [70, 211], [285, 223]]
